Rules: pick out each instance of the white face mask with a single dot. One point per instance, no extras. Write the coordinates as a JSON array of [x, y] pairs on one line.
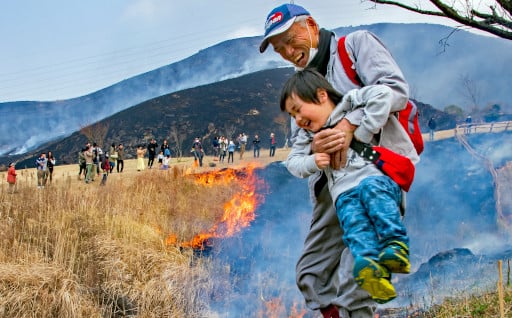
[[312, 51]]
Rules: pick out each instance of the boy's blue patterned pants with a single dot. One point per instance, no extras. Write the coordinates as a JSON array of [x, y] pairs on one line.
[[370, 217]]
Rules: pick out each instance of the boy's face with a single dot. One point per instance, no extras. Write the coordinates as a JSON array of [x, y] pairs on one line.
[[308, 115]]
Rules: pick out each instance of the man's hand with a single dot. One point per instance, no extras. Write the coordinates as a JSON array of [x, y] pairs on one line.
[[322, 160], [335, 141]]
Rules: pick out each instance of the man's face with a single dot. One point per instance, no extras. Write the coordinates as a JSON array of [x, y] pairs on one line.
[[293, 45]]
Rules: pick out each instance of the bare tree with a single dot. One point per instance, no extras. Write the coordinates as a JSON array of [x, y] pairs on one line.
[[230, 130], [96, 132], [283, 120], [493, 16], [470, 91], [177, 137]]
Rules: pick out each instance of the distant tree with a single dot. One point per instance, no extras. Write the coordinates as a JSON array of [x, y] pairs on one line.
[[96, 132], [230, 130], [492, 112], [455, 110], [493, 16]]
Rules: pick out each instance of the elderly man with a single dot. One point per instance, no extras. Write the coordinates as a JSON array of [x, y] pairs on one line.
[[324, 271]]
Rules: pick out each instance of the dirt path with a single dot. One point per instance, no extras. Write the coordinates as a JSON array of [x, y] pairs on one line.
[[69, 173]]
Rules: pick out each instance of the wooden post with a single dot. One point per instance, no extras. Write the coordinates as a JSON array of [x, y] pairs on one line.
[[500, 290]]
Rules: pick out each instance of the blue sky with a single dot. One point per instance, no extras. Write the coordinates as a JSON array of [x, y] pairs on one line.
[[59, 49]]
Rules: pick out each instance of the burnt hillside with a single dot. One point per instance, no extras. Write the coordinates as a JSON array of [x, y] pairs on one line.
[[246, 104]]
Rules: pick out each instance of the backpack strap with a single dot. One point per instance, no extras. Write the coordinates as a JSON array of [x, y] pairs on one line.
[[347, 63]]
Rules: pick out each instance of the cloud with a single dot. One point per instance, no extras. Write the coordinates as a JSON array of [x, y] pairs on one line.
[[147, 10]]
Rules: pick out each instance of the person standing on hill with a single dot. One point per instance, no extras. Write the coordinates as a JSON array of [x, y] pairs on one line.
[[256, 146], [81, 164], [324, 271], [141, 152], [120, 158], [166, 149], [42, 170], [231, 150], [197, 150], [432, 127], [89, 164], [152, 146], [51, 163], [216, 147], [242, 144], [272, 145], [105, 169], [11, 177], [112, 157], [223, 147]]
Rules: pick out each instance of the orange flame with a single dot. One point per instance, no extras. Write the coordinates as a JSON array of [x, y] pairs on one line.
[[238, 211]]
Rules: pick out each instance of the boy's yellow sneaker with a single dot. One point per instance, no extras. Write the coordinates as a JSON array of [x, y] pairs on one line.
[[396, 257], [374, 278]]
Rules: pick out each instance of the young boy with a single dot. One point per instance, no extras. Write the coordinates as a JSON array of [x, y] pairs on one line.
[[367, 201], [166, 162], [160, 159], [105, 167]]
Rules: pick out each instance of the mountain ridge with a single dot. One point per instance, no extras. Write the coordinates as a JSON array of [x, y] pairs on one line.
[[24, 121]]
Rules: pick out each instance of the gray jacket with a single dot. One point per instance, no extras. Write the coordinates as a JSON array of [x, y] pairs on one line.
[[373, 100], [374, 65]]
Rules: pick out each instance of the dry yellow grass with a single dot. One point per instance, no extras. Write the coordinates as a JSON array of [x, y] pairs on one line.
[[84, 250]]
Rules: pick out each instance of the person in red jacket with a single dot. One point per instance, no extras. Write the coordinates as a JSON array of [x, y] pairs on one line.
[[11, 177]]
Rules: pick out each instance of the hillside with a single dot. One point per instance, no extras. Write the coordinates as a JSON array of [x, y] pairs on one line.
[[246, 104], [434, 69]]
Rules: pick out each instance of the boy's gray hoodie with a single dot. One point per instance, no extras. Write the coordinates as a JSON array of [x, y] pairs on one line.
[[374, 102]]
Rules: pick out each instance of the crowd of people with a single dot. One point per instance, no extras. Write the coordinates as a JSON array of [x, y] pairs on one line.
[[93, 161]]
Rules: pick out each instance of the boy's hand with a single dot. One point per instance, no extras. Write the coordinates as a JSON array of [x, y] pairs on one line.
[[322, 160], [335, 141]]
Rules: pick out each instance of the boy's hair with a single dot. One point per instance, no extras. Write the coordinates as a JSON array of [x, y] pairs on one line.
[[305, 85]]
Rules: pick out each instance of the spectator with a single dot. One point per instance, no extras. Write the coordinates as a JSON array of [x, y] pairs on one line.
[[469, 120], [120, 158], [81, 163], [166, 162], [242, 143], [42, 170], [160, 158], [112, 157], [256, 146], [197, 150], [97, 158], [432, 127], [223, 147], [141, 152], [152, 152], [11, 177], [231, 150], [216, 147], [272, 145], [105, 167], [165, 148], [89, 163], [51, 163]]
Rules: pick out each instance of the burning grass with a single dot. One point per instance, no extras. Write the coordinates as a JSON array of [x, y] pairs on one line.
[[76, 250]]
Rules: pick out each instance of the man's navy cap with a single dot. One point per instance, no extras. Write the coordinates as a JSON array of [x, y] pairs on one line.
[[279, 20]]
